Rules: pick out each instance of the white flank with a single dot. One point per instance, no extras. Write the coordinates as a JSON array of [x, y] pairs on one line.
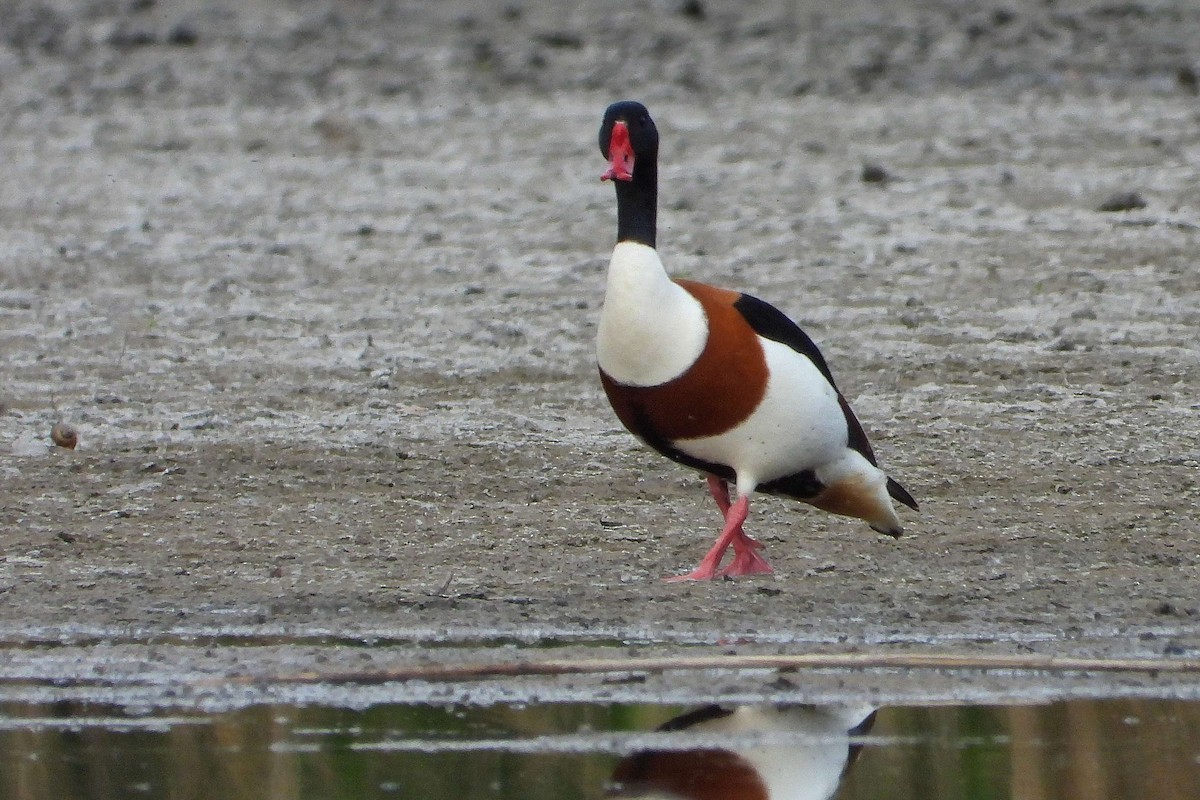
[[651, 330], [852, 464], [799, 425]]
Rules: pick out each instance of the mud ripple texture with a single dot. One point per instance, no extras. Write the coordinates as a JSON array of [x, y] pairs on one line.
[[317, 285]]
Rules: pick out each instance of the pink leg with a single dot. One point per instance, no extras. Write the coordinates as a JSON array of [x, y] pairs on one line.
[[719, 489], [707, 569], [746, 560]]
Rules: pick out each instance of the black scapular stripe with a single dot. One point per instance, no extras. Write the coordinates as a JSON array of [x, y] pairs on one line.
[[771, 323]]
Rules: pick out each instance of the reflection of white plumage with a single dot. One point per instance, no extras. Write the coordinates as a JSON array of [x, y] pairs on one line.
[[767, 753]]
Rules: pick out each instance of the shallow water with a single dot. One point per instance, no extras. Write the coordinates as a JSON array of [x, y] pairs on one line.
[[1079, 749]]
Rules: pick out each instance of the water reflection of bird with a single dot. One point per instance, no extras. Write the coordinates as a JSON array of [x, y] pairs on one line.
[[722, 381], [753, 761]]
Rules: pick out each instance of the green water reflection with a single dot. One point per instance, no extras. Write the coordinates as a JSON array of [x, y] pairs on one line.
[[1120, 749]]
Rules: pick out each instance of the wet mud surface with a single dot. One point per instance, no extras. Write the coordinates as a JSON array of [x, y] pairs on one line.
[[317, 285]]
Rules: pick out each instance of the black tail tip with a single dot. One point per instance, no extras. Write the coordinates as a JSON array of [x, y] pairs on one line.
[[900, 494]]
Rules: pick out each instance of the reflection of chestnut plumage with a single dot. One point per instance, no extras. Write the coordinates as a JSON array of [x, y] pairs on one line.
[[64, 435], [807, 763]]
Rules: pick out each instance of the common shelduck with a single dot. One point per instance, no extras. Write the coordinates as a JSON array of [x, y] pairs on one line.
[[722, 381], [749, 753]]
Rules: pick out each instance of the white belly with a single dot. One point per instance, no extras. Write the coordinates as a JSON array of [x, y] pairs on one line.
[[799, 425]]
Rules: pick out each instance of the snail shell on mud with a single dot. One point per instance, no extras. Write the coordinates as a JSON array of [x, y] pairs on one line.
[[64, 435]]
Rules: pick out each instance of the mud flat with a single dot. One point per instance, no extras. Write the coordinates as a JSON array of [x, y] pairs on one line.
[[317, 284]]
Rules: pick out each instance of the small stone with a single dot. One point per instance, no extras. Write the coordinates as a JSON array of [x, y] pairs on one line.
[[1123, 201], [1188, 80], [64, 435], [129, 39], [183, 35], [560, 39], [875, 173], [693, 9]]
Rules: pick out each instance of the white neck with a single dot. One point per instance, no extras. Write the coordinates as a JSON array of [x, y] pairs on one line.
[[651, 329]]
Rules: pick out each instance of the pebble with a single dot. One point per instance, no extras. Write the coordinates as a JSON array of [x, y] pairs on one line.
[[874, 173], [64, 435], [1123, 201]]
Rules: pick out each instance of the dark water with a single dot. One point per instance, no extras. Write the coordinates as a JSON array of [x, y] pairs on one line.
[[1127, 749]]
